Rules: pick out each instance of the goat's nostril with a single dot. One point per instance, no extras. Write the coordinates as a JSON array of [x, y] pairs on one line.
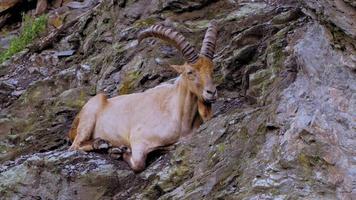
[[211, 92]]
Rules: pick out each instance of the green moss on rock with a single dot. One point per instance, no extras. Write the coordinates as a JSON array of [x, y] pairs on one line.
[[145, 22], [129, 82]]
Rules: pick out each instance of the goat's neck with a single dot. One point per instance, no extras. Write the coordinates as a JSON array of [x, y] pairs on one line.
[[187, 107]]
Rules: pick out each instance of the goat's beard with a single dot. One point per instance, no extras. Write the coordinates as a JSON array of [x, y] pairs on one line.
[[205, 110]]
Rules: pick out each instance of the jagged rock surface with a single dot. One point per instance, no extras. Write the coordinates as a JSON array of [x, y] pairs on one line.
[[283, 128]]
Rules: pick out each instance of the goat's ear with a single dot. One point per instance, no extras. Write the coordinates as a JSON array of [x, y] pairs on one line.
[[178, 68]]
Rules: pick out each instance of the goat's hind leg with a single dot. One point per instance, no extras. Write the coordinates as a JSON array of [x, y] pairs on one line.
[[84, 131], [86, 123]]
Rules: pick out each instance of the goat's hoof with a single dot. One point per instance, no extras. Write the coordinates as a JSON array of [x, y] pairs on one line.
[[119, 150], [116, 150], [100, 144], [115, 156]]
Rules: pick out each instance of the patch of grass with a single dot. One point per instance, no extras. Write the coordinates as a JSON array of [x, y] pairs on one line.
[[31, 29]]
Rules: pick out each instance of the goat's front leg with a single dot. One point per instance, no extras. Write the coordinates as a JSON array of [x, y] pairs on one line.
[[137, 158]]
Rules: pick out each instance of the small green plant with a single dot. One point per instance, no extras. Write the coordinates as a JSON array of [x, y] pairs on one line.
[[31, 29]]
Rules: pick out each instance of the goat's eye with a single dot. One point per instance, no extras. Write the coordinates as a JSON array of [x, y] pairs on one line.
[[190, 75]]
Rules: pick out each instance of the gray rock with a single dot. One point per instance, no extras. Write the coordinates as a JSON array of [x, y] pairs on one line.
[[337, 12], [183, 6], [61, 175]]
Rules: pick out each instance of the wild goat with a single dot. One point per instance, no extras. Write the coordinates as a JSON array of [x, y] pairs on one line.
[[159, 117]]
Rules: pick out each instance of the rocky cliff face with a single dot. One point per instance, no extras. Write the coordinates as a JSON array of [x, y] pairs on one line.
[[284, 126]]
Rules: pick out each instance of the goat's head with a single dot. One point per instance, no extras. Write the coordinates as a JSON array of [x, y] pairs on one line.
[[198, 69]]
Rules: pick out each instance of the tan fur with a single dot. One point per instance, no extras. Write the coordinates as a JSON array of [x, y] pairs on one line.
[[150, 120], [73, 130]]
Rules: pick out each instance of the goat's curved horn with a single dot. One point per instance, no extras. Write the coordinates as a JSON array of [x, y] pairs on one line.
[[209, 42], [177, 39]]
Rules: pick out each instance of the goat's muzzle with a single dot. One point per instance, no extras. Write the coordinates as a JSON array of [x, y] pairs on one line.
[[210, 96]]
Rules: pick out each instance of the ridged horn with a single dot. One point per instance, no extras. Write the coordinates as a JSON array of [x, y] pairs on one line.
[[209, 42], [175, 38]]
